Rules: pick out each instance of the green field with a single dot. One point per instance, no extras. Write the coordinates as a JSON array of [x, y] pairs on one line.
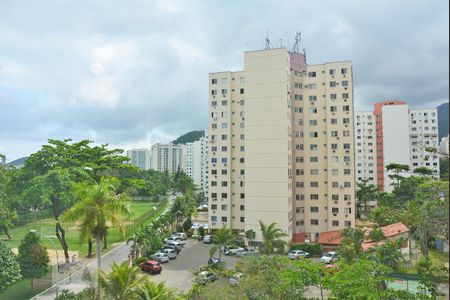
[[72, 234]]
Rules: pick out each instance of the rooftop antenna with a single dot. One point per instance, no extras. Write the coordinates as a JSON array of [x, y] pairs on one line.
[[267, 46], [281, 43], [304, 54], [298, 38]]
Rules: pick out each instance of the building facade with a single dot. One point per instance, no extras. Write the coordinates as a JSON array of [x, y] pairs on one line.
[[194, 162], [140, 158], [168, 157], [400, 135], [281, 146]]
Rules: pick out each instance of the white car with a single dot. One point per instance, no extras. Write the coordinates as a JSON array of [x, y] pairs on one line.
[[172, 254], [195, 226], [330, 257], [175, 239], [244, 252], [297, 254], [233, 250], [181, 235], [161, 257], [205, 226]]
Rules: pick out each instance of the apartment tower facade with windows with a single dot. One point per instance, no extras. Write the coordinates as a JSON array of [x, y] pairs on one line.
[[166, 157], [281, 145], [139, 158], [402, 136]]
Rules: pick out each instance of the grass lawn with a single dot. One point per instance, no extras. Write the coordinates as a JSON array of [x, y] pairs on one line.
[[438, 257], [72, 234], [20, 291]]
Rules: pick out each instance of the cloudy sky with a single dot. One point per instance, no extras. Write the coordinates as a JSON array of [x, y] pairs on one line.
[[132, 73]]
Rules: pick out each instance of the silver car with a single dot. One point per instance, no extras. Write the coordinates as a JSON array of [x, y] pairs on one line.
[[297, 254], [160, 257], [172, 254]]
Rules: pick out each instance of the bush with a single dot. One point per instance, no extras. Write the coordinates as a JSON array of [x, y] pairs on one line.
[[312, 248], [201, 231], [141, 260], [180, 228]]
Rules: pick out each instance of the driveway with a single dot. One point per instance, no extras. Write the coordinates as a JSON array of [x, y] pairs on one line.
[[178, 272]]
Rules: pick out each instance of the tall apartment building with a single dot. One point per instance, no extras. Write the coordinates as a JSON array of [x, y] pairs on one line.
[[443, 146], [205, 159], [193, 162], [167, 157], [400, 135], [281, 145], [140, 158]]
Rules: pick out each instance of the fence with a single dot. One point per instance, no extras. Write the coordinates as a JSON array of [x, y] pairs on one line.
[[407, 282], [31, 217]]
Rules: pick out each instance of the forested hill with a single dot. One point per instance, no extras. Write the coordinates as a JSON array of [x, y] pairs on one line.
[[189, 137]]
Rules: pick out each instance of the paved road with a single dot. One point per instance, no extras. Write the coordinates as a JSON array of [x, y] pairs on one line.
[[74, 282], [178, 272]]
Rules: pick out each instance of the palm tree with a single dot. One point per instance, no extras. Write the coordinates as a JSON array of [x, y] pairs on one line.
[[179, 208], [121, 283], [149, 290], [98, 205], [222, 237], [271, 237], [140, 242]]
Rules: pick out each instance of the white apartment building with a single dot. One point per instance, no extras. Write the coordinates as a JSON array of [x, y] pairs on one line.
[[282, 145], [365, 147], [194, 162], [394, 133], [140, 158], [166, 157], [443, 146]]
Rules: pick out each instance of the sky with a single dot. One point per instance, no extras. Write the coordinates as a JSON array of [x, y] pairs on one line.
[[133, 73]]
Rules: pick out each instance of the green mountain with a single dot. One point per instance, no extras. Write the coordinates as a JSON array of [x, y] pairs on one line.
[[442, 120], [189, 137], [18, 162]]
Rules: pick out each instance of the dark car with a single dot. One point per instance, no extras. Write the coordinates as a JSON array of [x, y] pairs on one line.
[[151, 266]]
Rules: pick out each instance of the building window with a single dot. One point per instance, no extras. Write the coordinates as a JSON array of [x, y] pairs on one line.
[[311, 74], [344, 71], [335, 223], [313, 134], [313, 159], [213, 206], [224, 148], [213, 160], [312, 110], [332, 83], [214, 81], [314, 172], [333, 108], [241, 91], [224, 207], [224, 103], [314, 197], [314, 222], [224, 125], [344, 83], [333, 96], [335, 197], [334, 121], [332, 71], [224, 91], [214, 92], [224, 172], [242, 219], [312, 98], [348, 223], [224, 183], [224, 137], [335, 184], [214, 103], [213, 183], [213, 218], [314, 209], [345, 96], [312, 122], [314, 184], [346, 108], [224, 160], [224, 219]]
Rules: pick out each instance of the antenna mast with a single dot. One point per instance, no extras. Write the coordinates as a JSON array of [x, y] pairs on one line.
[[298, 38], [267, 47]]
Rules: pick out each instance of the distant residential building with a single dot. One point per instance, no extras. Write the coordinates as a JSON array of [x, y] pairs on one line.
[[205, 154], [194, 162], [140, 158], [166, 157], [443, 146], [394, 133]]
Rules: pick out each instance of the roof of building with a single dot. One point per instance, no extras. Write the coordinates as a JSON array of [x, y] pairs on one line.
[[394, 229], [330, 237]]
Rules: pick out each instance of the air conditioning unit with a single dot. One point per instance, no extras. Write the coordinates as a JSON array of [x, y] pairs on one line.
[[335, 202], [348, 203], [334, 215]]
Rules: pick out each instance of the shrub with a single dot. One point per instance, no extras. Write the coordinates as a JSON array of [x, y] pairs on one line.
[[201, 231], [141, 260], [180, 228], [312, 248]]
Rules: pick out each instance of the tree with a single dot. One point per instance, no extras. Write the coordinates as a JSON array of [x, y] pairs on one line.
[[351, 240], [376, 235], [365, 192], [179, 208], [388, 254], [431, 276], [398, 169], [148, 290], [406, 191], [443, 168], [222, 237], [362, 279], [10, 268], [33, 257], [121, 283], [271, 236], [98, 204], [424, 171], [250, 235], [7, 217]]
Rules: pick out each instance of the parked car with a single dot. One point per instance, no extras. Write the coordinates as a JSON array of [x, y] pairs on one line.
[[330, 257], [231, 250], [181, 235], [171, 253], [178, 246], [172, 247], [213, 261], [176, 239], [151, 266], [235, 278], [205, 226], [195, 226], [160, 257], [297, 254], [205, 277], [203, 207], [245, 252], [207, 239]]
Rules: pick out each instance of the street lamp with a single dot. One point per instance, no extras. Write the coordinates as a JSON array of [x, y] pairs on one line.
[[56, 251]]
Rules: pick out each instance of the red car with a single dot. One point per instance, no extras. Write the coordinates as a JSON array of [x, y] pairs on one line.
[[151, 266]]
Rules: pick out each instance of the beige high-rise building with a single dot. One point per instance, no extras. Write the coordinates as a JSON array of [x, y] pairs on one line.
[[281, 145]]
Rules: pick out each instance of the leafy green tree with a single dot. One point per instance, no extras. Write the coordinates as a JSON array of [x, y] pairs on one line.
[[384, 215], [398, 169], [148, 290], [201, 232], [424, 171], [443, 168], [250, 235], [376, 235], [362, 279], [271, 236], [388, 254], [182, 182], [431, 276], [7, 217], [10, 268], [33, 257], [222, 237], [121, 283], [187, 224], [407, 189], [98, 204], [351, 240], [364, 194], [85, 294], [179, 208]]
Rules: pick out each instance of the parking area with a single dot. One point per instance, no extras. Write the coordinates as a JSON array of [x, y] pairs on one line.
[[178, 272]]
